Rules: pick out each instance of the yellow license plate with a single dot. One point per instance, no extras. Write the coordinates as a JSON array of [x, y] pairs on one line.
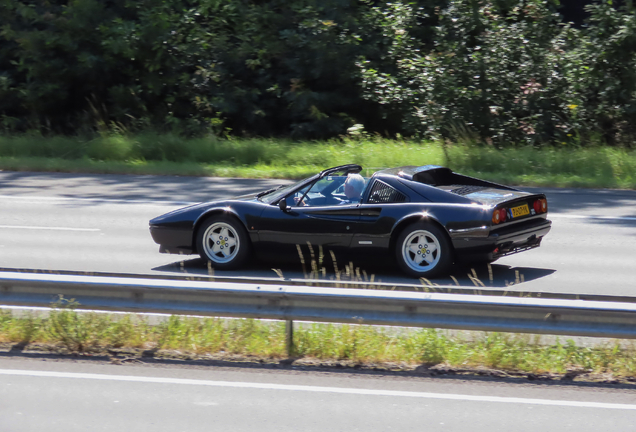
[[520, 211]]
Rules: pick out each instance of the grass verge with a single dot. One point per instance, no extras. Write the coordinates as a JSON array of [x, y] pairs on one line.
[[323, 344], [149, 153]]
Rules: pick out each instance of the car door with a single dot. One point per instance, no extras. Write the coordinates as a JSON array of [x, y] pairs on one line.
[[379, 211], [330, 227], [318, 221]]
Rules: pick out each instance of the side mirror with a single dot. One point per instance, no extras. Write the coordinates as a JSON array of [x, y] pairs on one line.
[[282, 205]]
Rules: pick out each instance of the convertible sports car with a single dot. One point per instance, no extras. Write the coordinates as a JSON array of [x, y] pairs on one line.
[[425, 217]]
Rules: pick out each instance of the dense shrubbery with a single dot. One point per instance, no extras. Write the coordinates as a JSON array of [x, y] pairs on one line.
[[496, 71], [600, 69], [262, 67], [506, 71], [492, 72]]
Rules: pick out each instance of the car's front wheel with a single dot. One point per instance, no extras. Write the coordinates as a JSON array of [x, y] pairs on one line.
[[424, 250], [224, 242]]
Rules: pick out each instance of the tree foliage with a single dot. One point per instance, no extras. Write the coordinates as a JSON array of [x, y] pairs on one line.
[[507, 71], [261, 67], [497, 71], [600, 68]]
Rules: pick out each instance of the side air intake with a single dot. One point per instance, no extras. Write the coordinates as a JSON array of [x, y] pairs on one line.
[[382, 193]]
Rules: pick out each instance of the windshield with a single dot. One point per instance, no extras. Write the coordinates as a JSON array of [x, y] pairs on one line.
[[277, 194]]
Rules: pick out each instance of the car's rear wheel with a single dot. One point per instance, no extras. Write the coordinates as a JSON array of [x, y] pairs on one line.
[[424, 250], [224, 242]]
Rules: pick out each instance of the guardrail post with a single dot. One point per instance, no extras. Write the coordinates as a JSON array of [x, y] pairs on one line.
[[289, 337]]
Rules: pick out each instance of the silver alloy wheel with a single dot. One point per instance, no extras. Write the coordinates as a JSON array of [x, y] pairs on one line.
[[421, 251], [221, 242]]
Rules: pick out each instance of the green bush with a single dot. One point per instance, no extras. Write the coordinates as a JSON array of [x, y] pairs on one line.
[[494, 71], [492, 74], [600, 68], [110, 148], [505, 71], [190, 66]]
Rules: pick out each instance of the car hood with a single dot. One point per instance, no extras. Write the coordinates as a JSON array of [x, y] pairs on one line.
[[247, 197], [201, 207]]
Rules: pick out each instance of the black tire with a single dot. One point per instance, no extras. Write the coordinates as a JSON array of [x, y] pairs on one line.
[[223, 241], [420, 240]]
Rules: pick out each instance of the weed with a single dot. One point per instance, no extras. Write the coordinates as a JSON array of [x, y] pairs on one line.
[[22, 331], [80, 332], [77, 332]]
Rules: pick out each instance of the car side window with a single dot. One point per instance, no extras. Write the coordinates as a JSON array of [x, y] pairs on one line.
[[384, 194], [321, 193]]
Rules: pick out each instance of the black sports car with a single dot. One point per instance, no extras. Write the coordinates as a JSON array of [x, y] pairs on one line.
[[424, 217]]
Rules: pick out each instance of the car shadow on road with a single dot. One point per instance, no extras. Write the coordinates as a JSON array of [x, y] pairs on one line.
[[624, 222], [376, 274]]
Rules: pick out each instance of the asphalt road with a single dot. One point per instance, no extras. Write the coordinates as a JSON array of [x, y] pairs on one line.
[[56, 396], [100, 223]]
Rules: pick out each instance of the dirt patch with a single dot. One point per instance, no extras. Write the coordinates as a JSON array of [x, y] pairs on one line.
[[221, 359]]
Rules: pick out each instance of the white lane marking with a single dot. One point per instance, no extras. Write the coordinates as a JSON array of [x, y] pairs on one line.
[[567, 216], [315, 389], [48, 228]]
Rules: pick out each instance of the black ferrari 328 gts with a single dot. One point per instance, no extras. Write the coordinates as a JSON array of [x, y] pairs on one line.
[[426, 218]]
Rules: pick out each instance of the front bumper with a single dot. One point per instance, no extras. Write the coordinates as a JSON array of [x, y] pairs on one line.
[[172, 240]]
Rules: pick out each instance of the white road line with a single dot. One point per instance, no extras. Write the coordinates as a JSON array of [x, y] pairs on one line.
[[48, 228], [315, 389], [568, 216]]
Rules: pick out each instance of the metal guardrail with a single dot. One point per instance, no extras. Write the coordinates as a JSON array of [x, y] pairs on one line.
[[338, 305], [337, 283]]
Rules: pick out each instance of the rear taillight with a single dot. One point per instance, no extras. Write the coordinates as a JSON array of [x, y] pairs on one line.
[[495, 217], [499, 216], [540, 206]]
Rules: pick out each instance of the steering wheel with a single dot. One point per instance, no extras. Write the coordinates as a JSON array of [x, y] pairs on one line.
[[332, 200]]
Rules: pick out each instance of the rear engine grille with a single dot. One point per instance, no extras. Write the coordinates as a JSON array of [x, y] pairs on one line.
[[465, 190], [383, 193]]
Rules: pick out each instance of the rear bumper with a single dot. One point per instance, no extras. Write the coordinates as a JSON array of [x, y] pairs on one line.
[[522, 234], [503, 241], [172, 241]]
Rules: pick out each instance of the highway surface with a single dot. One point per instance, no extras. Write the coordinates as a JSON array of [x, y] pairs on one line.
[[100, 223], [63, 396]]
